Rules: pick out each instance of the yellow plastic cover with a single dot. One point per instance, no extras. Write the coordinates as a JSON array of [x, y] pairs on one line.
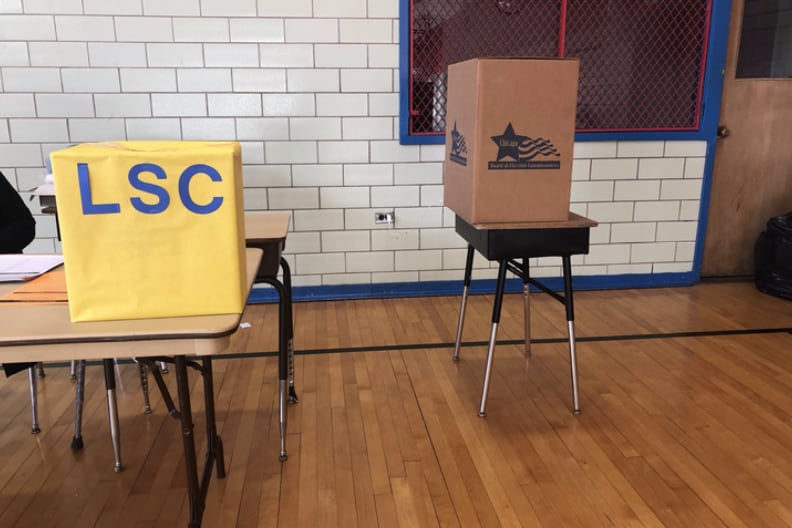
[[151, 228]]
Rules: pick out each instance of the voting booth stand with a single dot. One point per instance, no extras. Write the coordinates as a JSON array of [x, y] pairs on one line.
[[151, 229]]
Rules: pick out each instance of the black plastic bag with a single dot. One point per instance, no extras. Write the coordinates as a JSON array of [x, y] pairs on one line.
[[773, 257]]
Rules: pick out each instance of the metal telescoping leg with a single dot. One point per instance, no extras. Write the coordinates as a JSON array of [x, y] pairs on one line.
[[41, 373], [289, 327], [144, 387], [33, 382], [573, 364], [463, 302], [496, 311], [570, 314], [77, 440], [188, 439], [283, 363], [527, 305], [112, 412], [283, 417], [72, 369]]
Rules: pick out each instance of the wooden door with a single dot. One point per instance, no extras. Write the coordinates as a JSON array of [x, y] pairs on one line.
[[752, 176]]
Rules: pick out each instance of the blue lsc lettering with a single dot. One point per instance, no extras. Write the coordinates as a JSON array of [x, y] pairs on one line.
[[162, 195], [162, 198]]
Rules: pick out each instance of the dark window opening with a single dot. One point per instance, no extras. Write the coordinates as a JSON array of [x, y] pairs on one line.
[[765, 40]]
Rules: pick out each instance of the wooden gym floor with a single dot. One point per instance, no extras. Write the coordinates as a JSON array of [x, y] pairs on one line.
[[685, 392]]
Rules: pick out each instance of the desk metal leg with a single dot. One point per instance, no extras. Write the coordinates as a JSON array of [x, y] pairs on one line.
[[463, 302], [289, 327], [496, 311], [213, 440], [188, 440], [526, 274], [112, 412], [196, 489], [570, 315], [33, 384], [79, 374], [144, 387], [283, 362]]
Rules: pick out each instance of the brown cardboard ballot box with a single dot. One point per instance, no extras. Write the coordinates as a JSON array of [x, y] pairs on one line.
[[510, 134]]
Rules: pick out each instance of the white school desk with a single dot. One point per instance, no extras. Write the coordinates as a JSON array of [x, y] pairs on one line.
[[267, 231], [44, 332]]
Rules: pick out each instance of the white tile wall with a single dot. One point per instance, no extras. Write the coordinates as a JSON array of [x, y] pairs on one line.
[[311, 30], [39, 130], [343, 152], [65, 54], [315, 128], [198, 80], [614, 169], [310, 88], [653, 252], [249, 80], [279, 8], [52, 6], [148, 29], [149, 128], [27, 27], [394, 239], [84, 28], [318, 175], [267, 176], [13, 54], [182, 105], [372, 261], [256, 30], [217, 129], [170, 7], [117, 54], [341, 56], [100, 80], [338, 241], [341, 104], [634, 232], [31, 79], [340, 8], [228, 7], [313, 80], [345, 197], [661, 168], [236, 55]]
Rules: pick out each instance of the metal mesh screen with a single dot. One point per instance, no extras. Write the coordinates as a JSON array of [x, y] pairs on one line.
[[642, 61], [449, 31]]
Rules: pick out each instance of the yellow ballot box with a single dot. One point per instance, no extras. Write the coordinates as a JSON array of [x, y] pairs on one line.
[[151, 228]]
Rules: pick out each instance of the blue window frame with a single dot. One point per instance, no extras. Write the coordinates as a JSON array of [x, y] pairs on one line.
[[647, 67]]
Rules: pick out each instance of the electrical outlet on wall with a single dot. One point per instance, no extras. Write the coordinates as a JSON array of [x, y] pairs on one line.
[[384, 217]]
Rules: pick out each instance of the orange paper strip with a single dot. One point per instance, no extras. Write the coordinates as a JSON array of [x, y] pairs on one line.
[[49, 287]]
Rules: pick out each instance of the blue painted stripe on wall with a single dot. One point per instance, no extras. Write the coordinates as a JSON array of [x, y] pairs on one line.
[[434, 288]]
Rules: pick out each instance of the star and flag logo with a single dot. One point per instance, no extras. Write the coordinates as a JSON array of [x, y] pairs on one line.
[[458, 147], [516, 151]]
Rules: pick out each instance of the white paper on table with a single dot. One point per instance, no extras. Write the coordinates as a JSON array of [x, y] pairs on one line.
[[25, 267]]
